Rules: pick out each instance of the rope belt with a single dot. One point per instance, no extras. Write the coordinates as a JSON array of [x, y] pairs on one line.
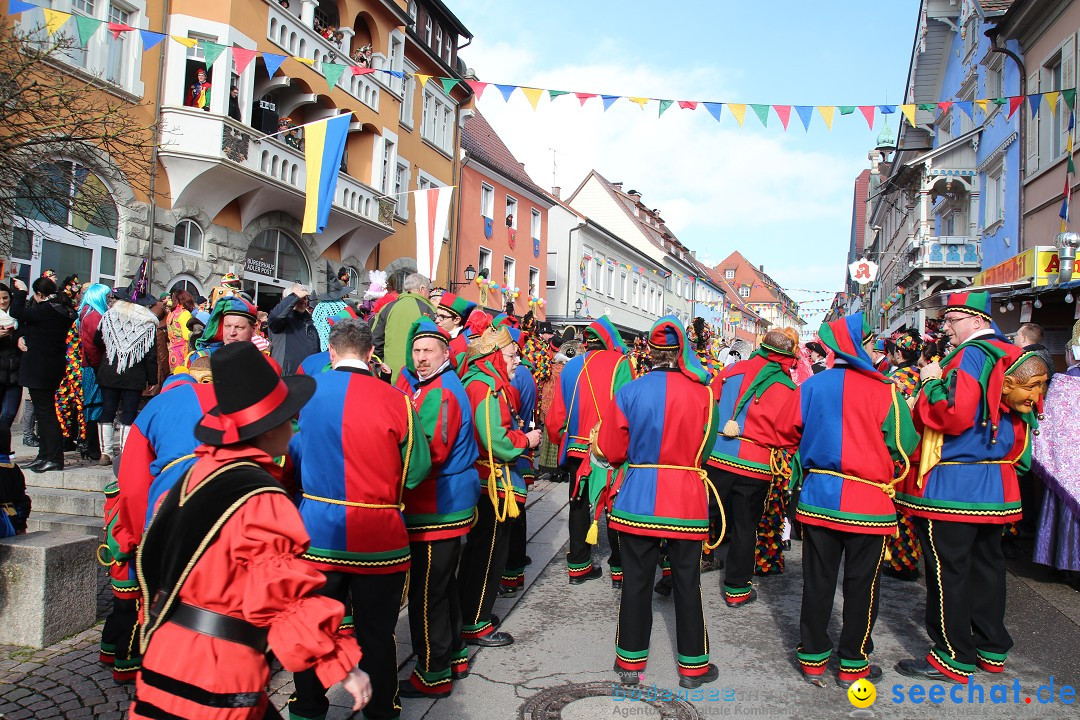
[[709, 488], [980, 462], [180, 459], [350, 503], [887, 488]]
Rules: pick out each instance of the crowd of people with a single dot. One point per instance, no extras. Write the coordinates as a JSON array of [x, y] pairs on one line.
[[354, 457]]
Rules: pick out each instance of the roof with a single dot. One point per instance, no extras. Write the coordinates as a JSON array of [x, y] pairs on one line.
[[995, 6], [485, 146], [450, 17]]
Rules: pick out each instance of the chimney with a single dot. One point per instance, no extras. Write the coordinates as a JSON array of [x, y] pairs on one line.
[[761, 268], [557, 192]]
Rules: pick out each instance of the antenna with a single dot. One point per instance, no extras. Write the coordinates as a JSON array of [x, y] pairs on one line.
[[554, 166]]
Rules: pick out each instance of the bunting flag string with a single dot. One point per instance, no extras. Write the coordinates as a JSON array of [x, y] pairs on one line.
[[85, 29]]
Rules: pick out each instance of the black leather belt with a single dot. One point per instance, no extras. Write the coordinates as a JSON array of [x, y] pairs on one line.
[[207, 622]]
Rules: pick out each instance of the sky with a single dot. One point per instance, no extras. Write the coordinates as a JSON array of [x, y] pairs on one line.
[[783, 199]]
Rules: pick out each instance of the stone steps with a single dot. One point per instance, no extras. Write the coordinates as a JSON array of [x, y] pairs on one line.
[[67, 502], [83, 524], [70, 500]]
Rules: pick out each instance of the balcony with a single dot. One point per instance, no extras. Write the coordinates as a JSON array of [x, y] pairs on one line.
[[297, 39], [212, 161], [947, 252]]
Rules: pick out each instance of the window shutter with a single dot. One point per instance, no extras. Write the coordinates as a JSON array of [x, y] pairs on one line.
[[1068, 80], [1032, 140]]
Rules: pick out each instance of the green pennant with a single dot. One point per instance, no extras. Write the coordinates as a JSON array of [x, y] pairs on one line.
[[448, 84], [1069, 96], [846, 109], [927, 106], [762, 112], [552, 94], [1002, 101], [664, 105], [332, 72], [87, 28], [211, 51]]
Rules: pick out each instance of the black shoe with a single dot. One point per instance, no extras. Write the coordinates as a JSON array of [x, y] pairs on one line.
[[923, 669], [710, 563], [875, 673], [495, 639], [663, 587], [592, 575], [46, 467], [459, 674], [616, 584], [815, 680], [495, 620], [739, 603], [36, 462], [786, 544], [688, 681], [507, 590], [30, 441], [528, 561], [407, 690], [626, 677]]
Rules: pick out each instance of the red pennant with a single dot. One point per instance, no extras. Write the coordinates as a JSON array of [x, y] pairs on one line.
[[944, 106], [477, 87], [242, 57], [582, 97], [117, 28], [1014, 103], [783, 112], [357, 70], [688, 104], [868, 113]]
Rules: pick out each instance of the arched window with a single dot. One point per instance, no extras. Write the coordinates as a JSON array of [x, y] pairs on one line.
[[188, 236], [274, 262], [184, 282]]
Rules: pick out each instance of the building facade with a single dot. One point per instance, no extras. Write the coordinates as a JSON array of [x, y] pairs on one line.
[[759, 293]]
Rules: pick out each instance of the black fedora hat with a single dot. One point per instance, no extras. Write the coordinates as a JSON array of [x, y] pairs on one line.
[[252, 398]]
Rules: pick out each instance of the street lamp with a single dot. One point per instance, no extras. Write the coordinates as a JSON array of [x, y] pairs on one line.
[[470, 275], [577, 308]]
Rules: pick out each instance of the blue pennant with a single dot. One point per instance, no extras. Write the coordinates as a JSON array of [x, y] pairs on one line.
[[805, 113], [609, 99], [714, 109], [965, 105], [273, 62], [506, 91], [886, 109], [150, 39], [489, 227], [536, 247], [17, 6]]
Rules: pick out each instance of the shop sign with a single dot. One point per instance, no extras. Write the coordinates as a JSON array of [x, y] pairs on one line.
[[1037, 265]]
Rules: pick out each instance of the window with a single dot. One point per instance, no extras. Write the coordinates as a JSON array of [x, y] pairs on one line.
[[678, 285], [1054, 125], [423, 183], [427, 30], [611, 281], [412, 10], [625, 286], [590, 263], [487, 201], [729, 274], [508, 271], [744, 291], [994, 86], [388, 165], [397, 62], [635, 299], [971, 35], [438, 41], [274, 255], [408, 97], [652, 298], [511, 212], [401, 186], [535, 228], [944, 128], [552, 267], [534, 281], [118, 48], [994, 195], [86, 7], [484, 261], [183, 282], [188, 236], [436, 124]]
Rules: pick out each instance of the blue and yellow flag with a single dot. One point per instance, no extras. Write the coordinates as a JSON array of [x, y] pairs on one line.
[[324, 144]]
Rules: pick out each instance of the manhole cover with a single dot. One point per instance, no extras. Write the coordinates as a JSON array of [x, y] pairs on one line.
[[591, 700]]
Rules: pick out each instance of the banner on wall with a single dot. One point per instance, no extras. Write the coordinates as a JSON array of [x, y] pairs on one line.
[[432, 213]]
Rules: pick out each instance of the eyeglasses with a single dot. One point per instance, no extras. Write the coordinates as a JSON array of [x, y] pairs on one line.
[[443, 316], [953, 320]]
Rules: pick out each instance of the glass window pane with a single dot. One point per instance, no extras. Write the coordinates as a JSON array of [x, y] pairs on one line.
[[22, 244], [108, 261], [44, 196], [66, 259], [93, 209]]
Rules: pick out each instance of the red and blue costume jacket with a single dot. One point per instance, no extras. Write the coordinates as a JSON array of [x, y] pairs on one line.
[[444, 505], [751, 394], [160, 449], [353, 468], [973, 447], [459, 345], [854, 436], [587, 384], [315, 364], [525, 384]]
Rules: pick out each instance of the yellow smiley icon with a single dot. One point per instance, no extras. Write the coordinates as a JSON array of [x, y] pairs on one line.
[[862, 693]]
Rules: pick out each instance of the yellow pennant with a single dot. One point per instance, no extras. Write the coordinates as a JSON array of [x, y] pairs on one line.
[[185, 41], [533, 94], [827, 112], [1051, 99], [54, 19], [422, 78], [310, 62], [642, 102], [738, 110], [909, 113], [982, 105]]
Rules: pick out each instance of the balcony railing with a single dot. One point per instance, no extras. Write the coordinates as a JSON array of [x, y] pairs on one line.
[[948, 251], [296, 39]]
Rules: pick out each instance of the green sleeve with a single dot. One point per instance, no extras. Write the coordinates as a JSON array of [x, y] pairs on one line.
[[415, 456], [710, 440], [623, 375], [904, 443], [1023, 463], [498, 441], [429, 412]]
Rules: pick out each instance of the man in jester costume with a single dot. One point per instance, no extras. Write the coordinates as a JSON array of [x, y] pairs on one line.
[[513, 576], [587, 385], [451, 314], [854, 435], [320, 361], [662, 426], [743, 465], [974, 447], [353, 468], [438, 511], [902, 550], [486, 372]]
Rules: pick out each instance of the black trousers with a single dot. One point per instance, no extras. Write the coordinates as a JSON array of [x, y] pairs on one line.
[[744, 501], [120, 639], [376, 600], [640, 555], [579, 555], [51, 448], [862, 555], [482, 561], [514, 573], [965, 594], [434, 607]]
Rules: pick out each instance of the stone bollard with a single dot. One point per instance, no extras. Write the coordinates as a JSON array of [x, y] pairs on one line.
[[48, 587]]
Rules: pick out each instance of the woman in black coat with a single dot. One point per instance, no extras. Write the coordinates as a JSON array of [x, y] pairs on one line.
[[44, 324], [12, 301]]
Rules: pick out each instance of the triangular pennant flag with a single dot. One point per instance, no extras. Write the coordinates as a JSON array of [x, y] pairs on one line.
[[1000, 101], [186, 41], [944, 105], [805, 112], [422, 78], [926, 106], [272, 62], [826, 112], [448, 84], [533, 95], [17, 6], [909, 113], [507, 91], [477, 87], [1052, 101], [54, 19], [714, 109], [1069, 96], [150, 39], [1014, 103], [399, 74], [310, 62], [688, 104], [582, 97], [762, 112], [332, 72], [784, 113], [887, 109], [846, 109], [87, 27], [1034, 101], [552, 94], [982, 105], [664, 105], [609, 99], [357, 70], [211, 51], [868, 113], [642, 102], [739, 111], [117, 28], [965, 107], [242, 57]]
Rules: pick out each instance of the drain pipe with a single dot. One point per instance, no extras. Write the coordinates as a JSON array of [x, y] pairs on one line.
[[993, 34]]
